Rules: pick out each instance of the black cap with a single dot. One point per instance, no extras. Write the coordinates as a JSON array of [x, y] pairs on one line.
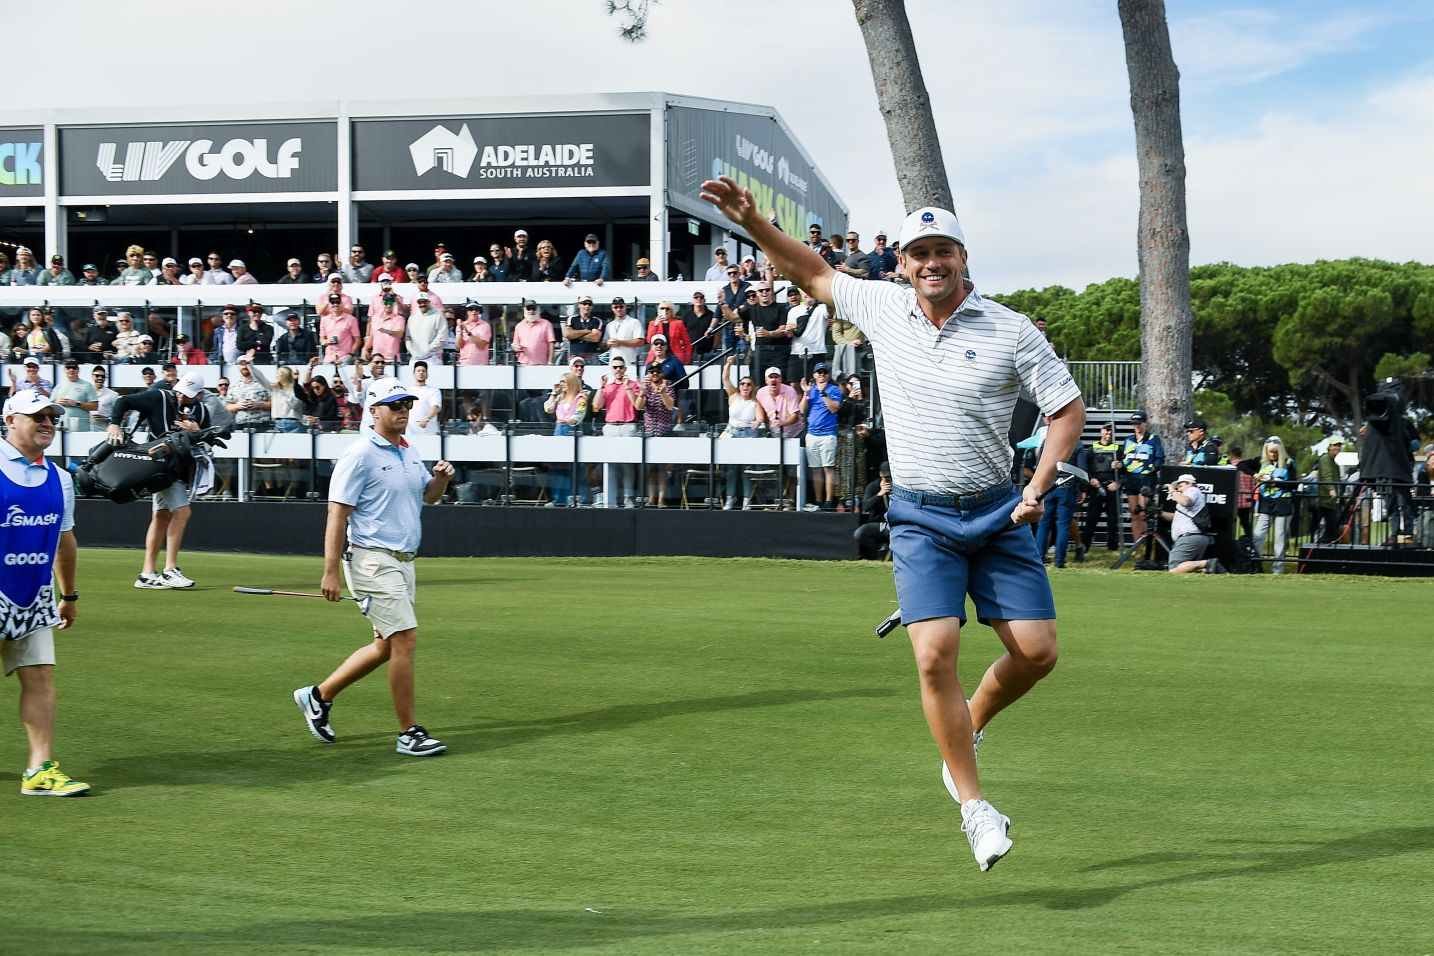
[[1195, 423], [529, 304], [884, 470], [590, 238], [619, 300], [471, 306], [1138, 417], [71, 363]]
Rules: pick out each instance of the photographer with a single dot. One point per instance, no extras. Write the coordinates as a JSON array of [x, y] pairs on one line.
[[1190, 529]]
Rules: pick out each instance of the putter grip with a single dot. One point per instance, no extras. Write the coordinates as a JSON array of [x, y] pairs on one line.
[[253, 590]]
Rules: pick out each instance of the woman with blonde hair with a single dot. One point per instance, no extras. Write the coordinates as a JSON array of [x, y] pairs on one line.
[[568, 403], [549, 266], [1274, 500]]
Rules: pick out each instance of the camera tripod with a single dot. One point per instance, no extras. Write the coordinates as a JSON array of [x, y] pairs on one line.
[[1150, 538]]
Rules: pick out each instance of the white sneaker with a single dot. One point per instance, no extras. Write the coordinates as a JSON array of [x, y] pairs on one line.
[[731, 503], [811, 507], [415, 742], [149, 582], [174, 578], [985, 828]]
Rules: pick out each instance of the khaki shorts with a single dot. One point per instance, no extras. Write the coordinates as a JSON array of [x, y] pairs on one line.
[[821, 451], [37, 647], [391, 584], [173, 498]]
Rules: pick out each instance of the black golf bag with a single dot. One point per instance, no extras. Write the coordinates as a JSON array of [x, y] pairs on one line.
[[130, 471]]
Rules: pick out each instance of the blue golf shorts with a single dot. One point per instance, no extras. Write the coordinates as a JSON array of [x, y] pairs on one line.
[[941, 554]]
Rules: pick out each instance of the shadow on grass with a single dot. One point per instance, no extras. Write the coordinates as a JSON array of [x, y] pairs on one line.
[[479, 930], [356, 755]]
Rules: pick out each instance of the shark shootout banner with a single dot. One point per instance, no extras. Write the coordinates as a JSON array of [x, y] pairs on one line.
[[502, 152], [218, 158], [755, 151], [22, 164]]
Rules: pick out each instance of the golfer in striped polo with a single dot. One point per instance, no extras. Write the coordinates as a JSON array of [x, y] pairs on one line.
[[951, 365]]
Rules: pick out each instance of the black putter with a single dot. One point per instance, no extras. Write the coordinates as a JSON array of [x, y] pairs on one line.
[[1067, 472]]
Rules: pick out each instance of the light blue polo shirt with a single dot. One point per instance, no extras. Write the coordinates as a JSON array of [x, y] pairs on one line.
[[384, 483]]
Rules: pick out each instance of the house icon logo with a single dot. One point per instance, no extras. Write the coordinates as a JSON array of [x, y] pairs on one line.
[[441, 148]]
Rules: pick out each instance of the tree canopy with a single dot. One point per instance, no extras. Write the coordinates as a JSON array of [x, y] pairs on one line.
[[1298, 342]]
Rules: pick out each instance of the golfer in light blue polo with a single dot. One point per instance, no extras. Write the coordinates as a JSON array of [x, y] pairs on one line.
[[376, 497], [951, 365]]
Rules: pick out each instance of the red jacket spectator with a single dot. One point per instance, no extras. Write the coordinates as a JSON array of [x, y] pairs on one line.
[[667, 323]]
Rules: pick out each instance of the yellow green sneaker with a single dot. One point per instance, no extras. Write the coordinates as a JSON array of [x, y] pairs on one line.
[[51, 781]]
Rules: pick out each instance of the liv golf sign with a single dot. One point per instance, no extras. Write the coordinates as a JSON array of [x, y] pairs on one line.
[[238, 158]]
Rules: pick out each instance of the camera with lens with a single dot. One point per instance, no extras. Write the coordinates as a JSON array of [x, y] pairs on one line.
[[334, 298], [389, 298]]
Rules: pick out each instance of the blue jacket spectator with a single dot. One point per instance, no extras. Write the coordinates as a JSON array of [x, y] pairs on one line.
[[591, 263]]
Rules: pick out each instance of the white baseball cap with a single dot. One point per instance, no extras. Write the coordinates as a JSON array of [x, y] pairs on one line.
[[387, 390], [931, 221], [30, 402], [237, 263], [190, 385]]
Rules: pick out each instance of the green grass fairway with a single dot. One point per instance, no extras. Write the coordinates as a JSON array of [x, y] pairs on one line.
[[675, 756]]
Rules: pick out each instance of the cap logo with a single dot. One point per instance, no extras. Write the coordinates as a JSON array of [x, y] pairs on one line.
[[928, 217]]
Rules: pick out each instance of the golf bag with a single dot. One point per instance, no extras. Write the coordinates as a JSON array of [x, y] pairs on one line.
[[130, 471], [1247, 559]]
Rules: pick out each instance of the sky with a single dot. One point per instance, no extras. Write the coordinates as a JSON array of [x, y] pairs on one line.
[[1308, 124]]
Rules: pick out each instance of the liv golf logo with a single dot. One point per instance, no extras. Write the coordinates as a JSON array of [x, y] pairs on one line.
[[237, 159], [441, 148]]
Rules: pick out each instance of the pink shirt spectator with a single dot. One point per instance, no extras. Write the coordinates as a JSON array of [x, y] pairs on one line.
[[346, 328], [535, 338], [617, 401], [781, 406], [346, 304], [470, 352], [383, 342]]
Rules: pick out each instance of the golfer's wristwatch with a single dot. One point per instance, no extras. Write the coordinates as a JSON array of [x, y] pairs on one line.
[[72, 598]]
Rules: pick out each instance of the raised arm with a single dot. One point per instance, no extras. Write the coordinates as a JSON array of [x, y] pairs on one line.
[[796, 260]]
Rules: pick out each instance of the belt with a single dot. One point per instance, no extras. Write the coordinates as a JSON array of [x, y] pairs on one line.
[[630, 421], [404, 556], [960, 502]]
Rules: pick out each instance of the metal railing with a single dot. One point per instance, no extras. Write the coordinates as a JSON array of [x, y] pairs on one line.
[[1109, 385]]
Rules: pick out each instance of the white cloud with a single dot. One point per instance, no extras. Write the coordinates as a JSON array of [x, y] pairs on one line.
[[1237, 47]]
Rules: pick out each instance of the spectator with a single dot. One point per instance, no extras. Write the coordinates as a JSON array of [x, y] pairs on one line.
[[126, 341], [873, 535], [44, 341], [413, 272], [249, 400], [134, 272], [814, 237], [533, 337], [327, 301], [386, 330], [294, 274], [521, 259], [1274, 500], [146, 377], [387, 296], [1040, 324], [657, 401], [883, 260], [425, 332], [1245, 501], [450, 334], [717, 272], [439, 249], [1189, 534], [735, 294], [350, 414], [77, 396], [426, 418], [240, 271], [195, 275], [187, 353], [782, 405], [57, 274], [481, 272], [625, 335], [498, 263], [151, 262], [105, 398], [143, 350], [226, 337], [568, 404], [672, 331], [807, 326], [673, 370], [257, 335], [855, 410], [389, 268], [591, 264], [1202, 450], [215, 274], [324, 269], [321, 406], [848, 347], [766, 322], [750, 272], [549, 266], [583, 331], [26, 271], [838, 254], [357, 270], [169, 273], [857, 263], [286, 398], [745, 418], [445, 272], [821, 400], [297, 345], [1103, 495], [1060, 509], [474, 336], [434, 299], [32, 381], [1327, 489], [99, 339], [89, 275], [700, 322], [617, 398]]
